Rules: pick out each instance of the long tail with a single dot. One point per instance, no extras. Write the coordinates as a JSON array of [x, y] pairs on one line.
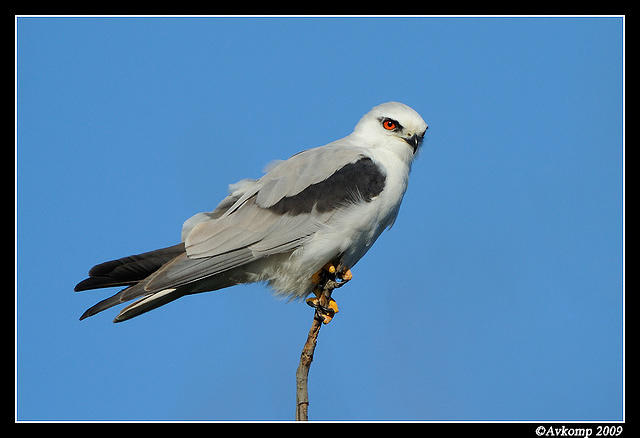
[[137, 273], [160, 298], [128, 271]]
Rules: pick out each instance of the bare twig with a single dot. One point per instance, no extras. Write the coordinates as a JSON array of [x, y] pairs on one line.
[[323, 291], [302, 374]]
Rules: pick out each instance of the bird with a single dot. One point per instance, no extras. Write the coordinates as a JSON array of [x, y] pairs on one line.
[[318, 212]]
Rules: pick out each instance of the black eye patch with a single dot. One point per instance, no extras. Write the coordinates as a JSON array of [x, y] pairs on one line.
[[389, 124]]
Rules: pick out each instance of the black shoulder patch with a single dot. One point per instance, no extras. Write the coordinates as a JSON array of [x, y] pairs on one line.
[[362, 179]]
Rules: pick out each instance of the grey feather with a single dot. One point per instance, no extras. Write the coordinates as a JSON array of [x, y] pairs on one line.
[[290, 177], [248, 221]]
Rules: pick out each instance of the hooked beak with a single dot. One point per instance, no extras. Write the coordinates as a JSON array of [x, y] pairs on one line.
[[414, 141]]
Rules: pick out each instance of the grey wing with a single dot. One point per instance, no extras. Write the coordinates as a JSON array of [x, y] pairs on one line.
[[241, 229], [222, 247], [305, 169], [274, 214]]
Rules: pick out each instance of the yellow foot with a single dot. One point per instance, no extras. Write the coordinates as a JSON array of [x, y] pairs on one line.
[[327, 313], [343, 273], [347, 275], [315, 278]]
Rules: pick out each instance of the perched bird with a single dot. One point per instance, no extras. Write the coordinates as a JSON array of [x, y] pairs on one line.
[[320, 210]]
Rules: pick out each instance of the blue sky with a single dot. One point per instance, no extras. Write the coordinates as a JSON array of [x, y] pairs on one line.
[[497, 295]]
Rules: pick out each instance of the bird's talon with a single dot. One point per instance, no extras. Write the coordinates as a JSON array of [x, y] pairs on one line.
[[333, 306], [326, 319], [324, 314], [317, 277], [344, 274]]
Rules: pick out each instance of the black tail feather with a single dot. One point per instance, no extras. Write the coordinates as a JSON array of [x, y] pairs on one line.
[[148, 303], [130, 270], [113, 300]]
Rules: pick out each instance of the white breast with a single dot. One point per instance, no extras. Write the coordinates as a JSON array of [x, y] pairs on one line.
[[351, 231]]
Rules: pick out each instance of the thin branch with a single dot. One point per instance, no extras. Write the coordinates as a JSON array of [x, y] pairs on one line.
[[302, 374], [323, 291]]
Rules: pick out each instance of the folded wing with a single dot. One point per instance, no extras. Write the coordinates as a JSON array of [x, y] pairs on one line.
[[272, 215]]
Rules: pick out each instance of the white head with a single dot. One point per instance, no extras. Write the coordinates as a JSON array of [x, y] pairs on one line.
[[392, 122]]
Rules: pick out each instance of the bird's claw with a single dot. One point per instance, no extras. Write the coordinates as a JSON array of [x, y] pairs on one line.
[[324, 314], [326, 269], [339, 275], [345, 275]]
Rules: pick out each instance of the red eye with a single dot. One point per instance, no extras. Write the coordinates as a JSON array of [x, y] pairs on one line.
[[389, 125]]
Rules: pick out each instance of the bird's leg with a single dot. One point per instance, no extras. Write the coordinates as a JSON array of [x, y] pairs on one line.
[[325, 272], [325, 313], [320, 279], [330, 276]]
